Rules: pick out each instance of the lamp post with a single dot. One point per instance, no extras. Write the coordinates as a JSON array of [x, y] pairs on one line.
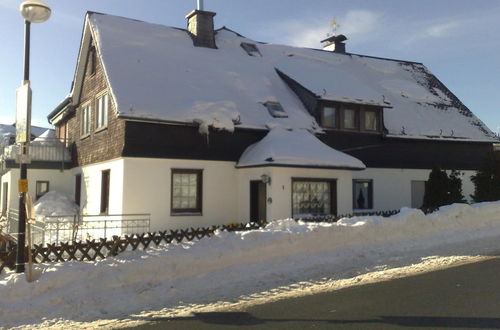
[[32, 12]]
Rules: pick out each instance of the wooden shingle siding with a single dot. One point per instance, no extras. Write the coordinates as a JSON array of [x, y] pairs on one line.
[[103, 144]]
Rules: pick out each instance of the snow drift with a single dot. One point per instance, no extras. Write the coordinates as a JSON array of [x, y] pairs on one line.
[[232, 264]]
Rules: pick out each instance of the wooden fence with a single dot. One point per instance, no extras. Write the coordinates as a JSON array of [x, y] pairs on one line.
[[90, 250]]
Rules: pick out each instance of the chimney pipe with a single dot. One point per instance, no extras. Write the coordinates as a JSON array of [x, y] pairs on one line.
[[199, 5]]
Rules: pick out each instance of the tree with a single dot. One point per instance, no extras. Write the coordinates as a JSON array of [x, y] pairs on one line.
[[442, 189], [487, 180]]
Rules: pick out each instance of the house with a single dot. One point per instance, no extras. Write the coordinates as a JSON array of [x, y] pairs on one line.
[[200, 126], [50, 161]]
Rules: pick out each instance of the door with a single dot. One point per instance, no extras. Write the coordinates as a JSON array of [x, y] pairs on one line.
[[105, 191], [5, 197], [258, 198], [417, 194]]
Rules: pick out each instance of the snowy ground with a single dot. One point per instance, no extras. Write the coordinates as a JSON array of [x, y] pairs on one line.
[[232, 270]]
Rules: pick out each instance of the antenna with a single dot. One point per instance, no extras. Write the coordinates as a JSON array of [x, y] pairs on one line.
[[199, 4], [335, 25]]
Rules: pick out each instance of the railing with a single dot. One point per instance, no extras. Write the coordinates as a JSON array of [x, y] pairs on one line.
[[56, 229], [47, 149]]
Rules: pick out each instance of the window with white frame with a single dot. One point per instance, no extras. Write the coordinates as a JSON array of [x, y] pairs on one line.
[[86, 116], [102, 111]]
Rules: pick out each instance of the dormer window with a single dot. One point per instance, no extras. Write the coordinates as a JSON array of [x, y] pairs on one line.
[[329, 117], [275, 109], [351, 117], [370, 120], [251, 49]]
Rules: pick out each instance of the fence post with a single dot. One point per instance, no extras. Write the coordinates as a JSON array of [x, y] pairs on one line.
[[57, 231]]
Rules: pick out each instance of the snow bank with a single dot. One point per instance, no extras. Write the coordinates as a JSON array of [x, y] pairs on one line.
[[54, 203], [232, 264]]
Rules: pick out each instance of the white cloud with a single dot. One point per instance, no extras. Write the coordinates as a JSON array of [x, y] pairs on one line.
[[442, 30], [359, 22]]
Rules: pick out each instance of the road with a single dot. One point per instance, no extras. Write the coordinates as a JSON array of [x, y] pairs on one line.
[[463, 297]]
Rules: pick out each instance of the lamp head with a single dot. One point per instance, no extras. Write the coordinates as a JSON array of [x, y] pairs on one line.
[[35, 11]]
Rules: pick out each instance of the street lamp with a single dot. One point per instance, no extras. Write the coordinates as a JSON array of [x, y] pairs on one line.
[[32, 12]]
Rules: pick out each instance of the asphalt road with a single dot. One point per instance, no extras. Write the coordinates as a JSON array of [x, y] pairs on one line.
[[463, 297]]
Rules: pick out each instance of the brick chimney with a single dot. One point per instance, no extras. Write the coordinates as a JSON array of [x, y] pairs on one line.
[[335, 44], [200, 24]]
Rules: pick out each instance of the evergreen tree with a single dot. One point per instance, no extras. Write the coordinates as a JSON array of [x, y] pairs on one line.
[[442, 189], [455, 190], [487, 180]]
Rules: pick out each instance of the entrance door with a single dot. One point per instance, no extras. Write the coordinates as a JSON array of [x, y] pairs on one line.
[[5, 197], [257, 201], [417, 193]]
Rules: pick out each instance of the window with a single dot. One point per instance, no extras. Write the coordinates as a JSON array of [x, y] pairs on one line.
[[329, 116], [102, 111], [370, 120], [362, 194], [105, 191], [78, 189], [349, 119], [86, 114], [186, 191], [91, 61], [313, 197], [275, 109], [42, 187], [251, 49]]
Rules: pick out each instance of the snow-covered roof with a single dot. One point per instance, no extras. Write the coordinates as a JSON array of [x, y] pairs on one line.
[[297, 147], [7, 131], [155, 73]]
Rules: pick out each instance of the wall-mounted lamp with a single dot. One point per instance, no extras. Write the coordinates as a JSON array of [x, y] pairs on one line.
[[265, 179]]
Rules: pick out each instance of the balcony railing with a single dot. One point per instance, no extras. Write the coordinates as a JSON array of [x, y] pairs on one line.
[[46, 150]]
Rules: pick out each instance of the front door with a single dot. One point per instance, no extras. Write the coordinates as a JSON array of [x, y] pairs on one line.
[[257, 201]]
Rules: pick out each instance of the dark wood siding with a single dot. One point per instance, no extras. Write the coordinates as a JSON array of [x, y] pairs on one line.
[[185, 142], [99, 145]]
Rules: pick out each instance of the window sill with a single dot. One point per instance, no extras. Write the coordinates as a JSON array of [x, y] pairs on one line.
[[86, 136], [101, 129], [180, 214]]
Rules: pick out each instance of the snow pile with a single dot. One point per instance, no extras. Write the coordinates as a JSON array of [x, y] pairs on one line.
[[295, 148], [54, 203], [233, 264]]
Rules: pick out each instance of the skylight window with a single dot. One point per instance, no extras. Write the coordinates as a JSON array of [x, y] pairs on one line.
[[275, 109], [251, 49]]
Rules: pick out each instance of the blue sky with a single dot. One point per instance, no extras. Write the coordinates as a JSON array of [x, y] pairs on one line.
[[456, 39]]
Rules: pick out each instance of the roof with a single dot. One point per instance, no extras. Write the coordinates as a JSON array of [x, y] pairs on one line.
[[295, 148], [10, 130], [155, 73]]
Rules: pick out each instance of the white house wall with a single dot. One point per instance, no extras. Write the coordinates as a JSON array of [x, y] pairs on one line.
[[91, 186], [58, 181], [280, 189], [392, 187], [11, 194], [147, 190]]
